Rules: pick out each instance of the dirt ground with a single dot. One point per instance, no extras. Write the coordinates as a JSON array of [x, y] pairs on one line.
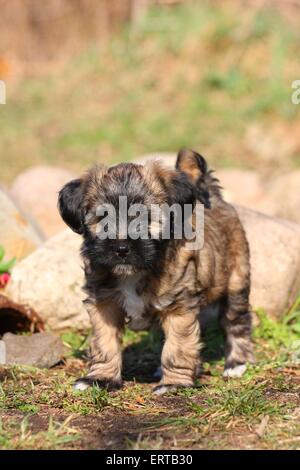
[[39, 409]]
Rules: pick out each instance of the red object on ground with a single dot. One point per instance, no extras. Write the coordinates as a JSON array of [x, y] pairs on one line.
[[4, 278]]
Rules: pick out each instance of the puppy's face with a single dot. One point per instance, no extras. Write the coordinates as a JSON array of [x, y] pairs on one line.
[[83, 202]]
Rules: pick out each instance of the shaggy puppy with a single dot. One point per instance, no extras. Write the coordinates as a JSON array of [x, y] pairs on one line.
[[143, 280]]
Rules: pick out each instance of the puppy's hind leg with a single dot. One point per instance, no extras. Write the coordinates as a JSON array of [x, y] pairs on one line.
[[235, 313], [106, 355], [236, 322]]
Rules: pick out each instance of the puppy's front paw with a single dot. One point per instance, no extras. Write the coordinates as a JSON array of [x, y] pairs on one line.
[[235, 371], [162, 389], [85, 382]]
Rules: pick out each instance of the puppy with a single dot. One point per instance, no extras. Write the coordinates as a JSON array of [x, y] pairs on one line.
[[150, 279]]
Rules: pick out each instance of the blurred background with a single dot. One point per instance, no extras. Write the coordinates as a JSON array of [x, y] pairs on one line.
[[110, 80]]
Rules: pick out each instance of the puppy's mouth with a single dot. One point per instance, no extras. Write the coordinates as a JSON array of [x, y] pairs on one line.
[[124, 269]]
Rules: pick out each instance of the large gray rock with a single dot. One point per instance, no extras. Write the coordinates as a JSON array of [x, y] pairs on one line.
[[168, 158], [42, 350], [245, 187], [284, 190], [278, 196], [272, 144], [275, 261], [17, 235], [50, 280], [241, 183], [35, 192]]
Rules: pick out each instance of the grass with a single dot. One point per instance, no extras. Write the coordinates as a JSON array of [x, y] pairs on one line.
[[200, 75], [15, 435], [76, 342], [39, 408]]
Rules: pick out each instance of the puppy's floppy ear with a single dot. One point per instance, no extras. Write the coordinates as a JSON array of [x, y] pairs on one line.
[[195, 167], [70, 200]]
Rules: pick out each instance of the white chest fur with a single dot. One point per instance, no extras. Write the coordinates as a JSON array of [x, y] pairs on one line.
[[133, 303]]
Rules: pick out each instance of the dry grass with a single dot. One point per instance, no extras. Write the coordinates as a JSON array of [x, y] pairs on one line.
[[32, 32], [39, 409]]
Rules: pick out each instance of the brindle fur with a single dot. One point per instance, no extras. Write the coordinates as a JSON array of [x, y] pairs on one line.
[[175, 284]]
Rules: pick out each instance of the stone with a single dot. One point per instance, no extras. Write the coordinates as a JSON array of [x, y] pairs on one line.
[[168, 158], [35, 192], [245, 188], [272, 144], [275, 261], [284, 190], [50, 280], [42, 350], [242, 184], [18, 236]]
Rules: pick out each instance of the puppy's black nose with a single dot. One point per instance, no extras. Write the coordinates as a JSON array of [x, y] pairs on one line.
[[122, 250]]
